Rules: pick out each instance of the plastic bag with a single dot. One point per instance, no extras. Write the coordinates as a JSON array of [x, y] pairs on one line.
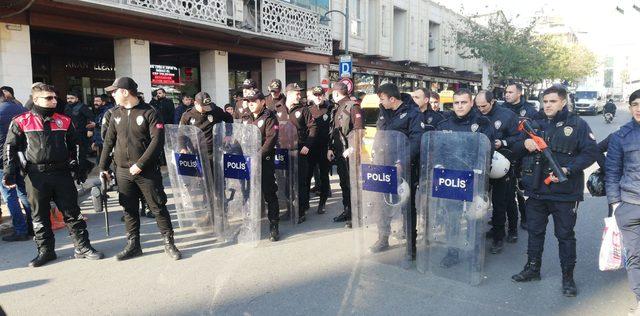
[[611, 248]]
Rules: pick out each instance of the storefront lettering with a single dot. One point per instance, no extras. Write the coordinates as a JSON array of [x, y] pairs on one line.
[[89, 65]]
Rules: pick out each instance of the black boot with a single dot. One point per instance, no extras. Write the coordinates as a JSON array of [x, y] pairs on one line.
[[496, 246], [87, 252], [83, 247], [170, 247], [132, 249], [275, 233], [531, 272], [512, 236], [568, 284], [345, 216], [44, 255], [321, 205]]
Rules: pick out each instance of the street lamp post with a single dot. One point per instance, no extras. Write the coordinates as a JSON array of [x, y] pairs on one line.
[[324, 18]]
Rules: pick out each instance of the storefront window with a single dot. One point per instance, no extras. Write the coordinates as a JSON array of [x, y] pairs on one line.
[[406, 85], [384, 80], [365, 83]]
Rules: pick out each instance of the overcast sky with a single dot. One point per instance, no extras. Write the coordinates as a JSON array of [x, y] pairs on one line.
[[597, 22]]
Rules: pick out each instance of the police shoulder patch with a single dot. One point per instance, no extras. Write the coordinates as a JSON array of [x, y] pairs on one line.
[[260, 123], [422, 124], [474, 127], [139, 120], [117, 119], [297, 114], [523, 112], [325, 117], [210, 118], [192, 121]]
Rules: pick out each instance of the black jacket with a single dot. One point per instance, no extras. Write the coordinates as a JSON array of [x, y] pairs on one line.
[[322, 116], [135, 135], [46, 140], [574, 147], [205, 122], [267, 122], [165, 108], [300, 116], [474, 121], [505, 123], [345, 117], [81, 115], [406, 119], [523, 109]]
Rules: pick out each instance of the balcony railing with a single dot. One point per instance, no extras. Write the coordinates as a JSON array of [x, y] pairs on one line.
[[276, 19]]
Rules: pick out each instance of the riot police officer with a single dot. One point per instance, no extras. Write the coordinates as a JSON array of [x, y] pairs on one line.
[[503, 189], [346, 117], [321, 112], [396, 115], [275, 97], [431, 118], [295, 112], [135, 151], [464, 118], [52, 152], [204, 115], [267, 122], [516, 102], [572, 143]]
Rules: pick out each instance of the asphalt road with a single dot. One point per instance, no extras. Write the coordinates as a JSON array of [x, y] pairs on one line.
[[312, 271]]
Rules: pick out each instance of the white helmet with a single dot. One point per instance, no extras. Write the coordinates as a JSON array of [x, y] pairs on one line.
[[499, 166], [404, 192]]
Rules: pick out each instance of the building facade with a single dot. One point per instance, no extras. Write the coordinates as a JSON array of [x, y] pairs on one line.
[[186, 46]]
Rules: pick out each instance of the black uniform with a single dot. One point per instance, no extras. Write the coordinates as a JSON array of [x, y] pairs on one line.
[[574, 147], [300, 116], [268, 125], [80, 115], [347, 116], [271, 102], [474, 121], [408, 120], [136, 136], [205, 122], [503, 197], [165, 109], [524, 110], [318, 154], [431, 119], [51, 148]]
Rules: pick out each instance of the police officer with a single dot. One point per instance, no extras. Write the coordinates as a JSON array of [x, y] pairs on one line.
[[430, 118], [321, 112], [267, 122], [275, 97], [515, 101], [464, 118], [347, 116], [204, 115], [136, 135], [300, 116], [241, 107], [505, 123], [399, 116], [52, 152], [571, 142]]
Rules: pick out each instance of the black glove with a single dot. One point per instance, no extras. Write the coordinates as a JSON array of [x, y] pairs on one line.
[[9, 179]]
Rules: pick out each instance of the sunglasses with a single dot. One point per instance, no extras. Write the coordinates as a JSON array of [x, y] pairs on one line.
[[48, 98]]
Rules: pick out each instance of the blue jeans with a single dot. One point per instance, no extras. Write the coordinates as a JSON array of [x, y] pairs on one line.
[[11, 196]]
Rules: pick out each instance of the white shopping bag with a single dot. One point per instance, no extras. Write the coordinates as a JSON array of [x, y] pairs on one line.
[[611, 249]]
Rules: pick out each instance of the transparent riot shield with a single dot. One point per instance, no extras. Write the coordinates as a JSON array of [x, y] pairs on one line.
[[380, 195], [452, 205], [286, 165], [189, 167], [237, 167]]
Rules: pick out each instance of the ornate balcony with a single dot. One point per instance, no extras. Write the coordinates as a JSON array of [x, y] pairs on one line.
[[276, 19]]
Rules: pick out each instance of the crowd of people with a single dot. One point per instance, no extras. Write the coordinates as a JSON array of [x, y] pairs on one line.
[[46, 142]]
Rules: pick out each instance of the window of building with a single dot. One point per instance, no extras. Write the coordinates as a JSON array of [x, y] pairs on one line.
[[364, 82], [355, 11]]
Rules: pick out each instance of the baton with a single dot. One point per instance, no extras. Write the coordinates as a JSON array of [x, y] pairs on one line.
[[104, 186]]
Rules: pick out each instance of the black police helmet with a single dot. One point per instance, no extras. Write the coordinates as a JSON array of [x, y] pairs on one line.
[[595, 183]]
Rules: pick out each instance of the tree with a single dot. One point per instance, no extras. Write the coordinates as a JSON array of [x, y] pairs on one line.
[[517, 53]]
